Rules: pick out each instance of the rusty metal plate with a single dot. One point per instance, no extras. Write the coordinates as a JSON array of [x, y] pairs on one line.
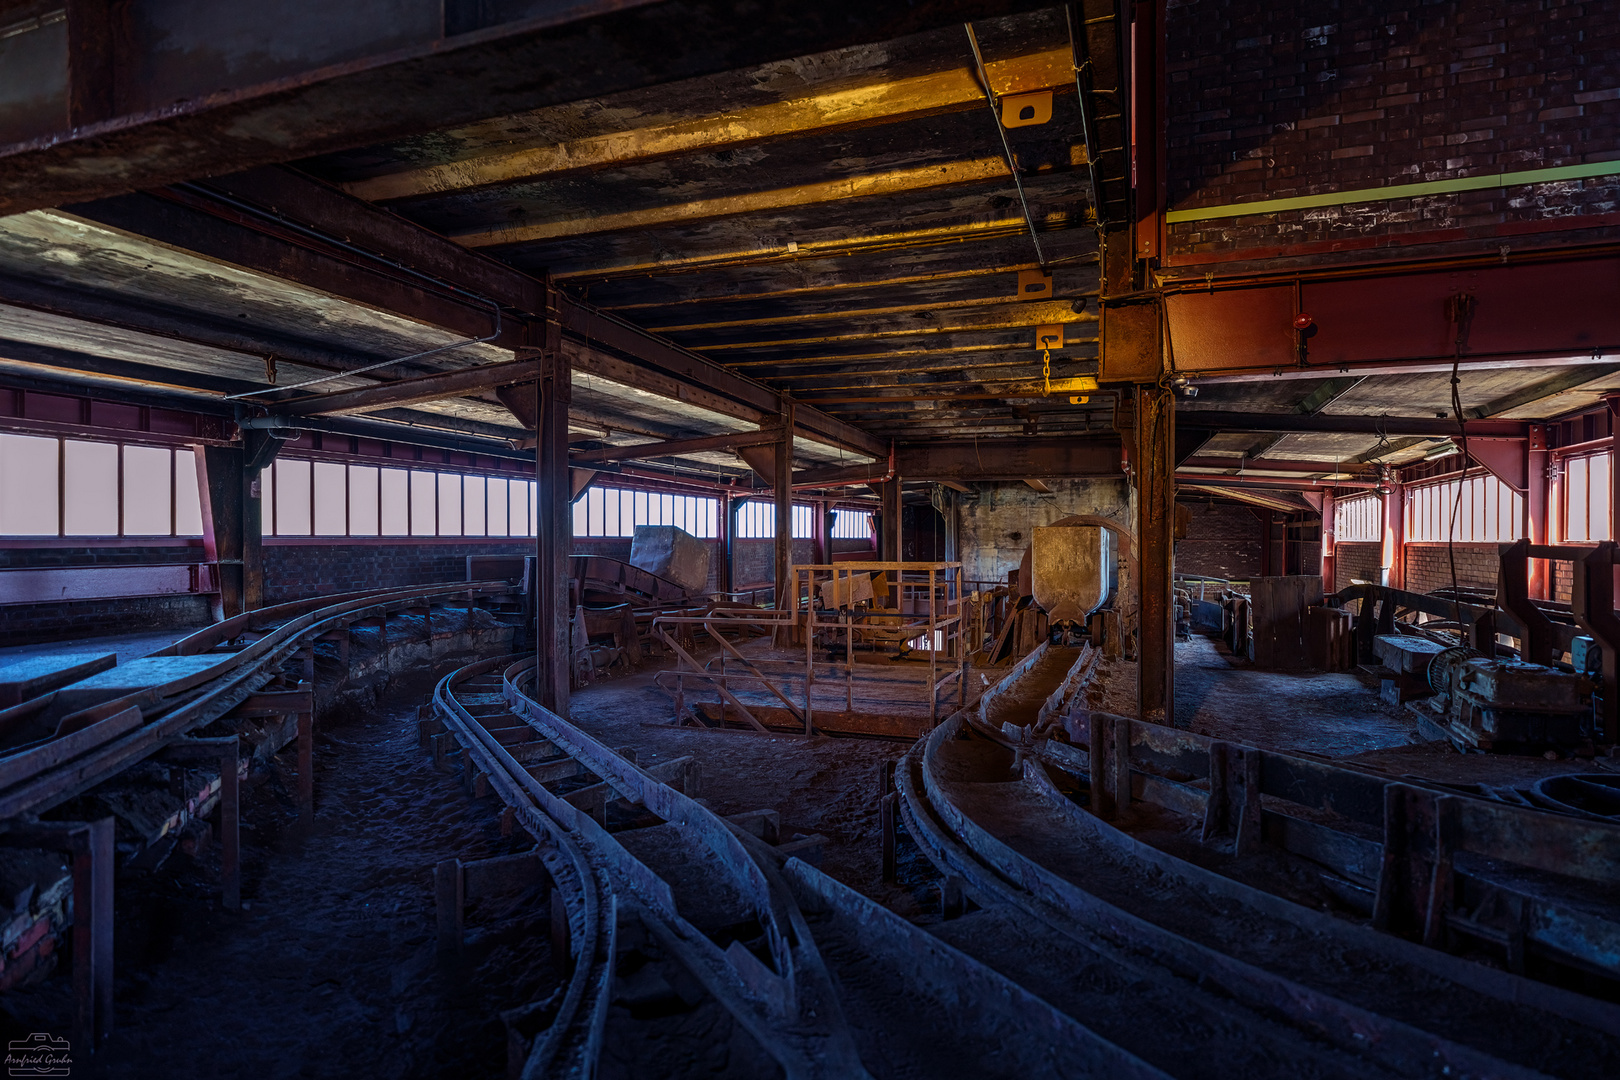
[[1069, 567]]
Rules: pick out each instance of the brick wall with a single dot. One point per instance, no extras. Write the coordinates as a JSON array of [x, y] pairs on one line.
[[293, 571], [1353, 563], [22, 624], [1222, 541], [1274, 101], [1428, 568]]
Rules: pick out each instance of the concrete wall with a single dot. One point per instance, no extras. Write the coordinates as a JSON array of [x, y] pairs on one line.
[[295, 569], [998, 520]]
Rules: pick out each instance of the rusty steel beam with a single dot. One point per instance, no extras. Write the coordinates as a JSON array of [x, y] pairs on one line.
[[1433, 426], [272, 89], [1015, 459], [1155, 522], [1524, 306], [1253, 464], [642, 451]]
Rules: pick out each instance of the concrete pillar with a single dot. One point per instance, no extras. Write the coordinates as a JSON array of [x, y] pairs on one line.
[[1329, 535], [1155, 532]]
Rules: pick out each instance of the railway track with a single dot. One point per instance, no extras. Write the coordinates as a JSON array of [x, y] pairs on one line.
[[1250, 983], [797, 974], [249, 681]]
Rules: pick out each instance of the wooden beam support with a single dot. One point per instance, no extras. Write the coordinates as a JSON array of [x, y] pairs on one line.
[[603, 344], [328, 92], [864, 105], [895, 182], [437, 387]]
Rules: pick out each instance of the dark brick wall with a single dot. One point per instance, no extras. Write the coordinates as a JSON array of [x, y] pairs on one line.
[[1354, 562], [1428, 568], [298, 570], [1222, 541], [22, 624], [1274, 100]]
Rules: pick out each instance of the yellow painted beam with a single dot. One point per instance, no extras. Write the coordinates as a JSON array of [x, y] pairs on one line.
[[844, 315], [833, 110], [1013, 316], [893, 182], [979, 228], [1558, 174]]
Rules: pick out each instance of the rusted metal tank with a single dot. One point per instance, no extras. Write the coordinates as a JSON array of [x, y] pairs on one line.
[[673, 553], [1069, 570]]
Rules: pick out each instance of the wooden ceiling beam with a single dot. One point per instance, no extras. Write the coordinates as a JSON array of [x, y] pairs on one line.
[[840, 109], [1014, 315], [866, 185]]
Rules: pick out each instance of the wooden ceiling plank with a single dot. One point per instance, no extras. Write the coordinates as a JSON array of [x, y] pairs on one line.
[[840, 109]]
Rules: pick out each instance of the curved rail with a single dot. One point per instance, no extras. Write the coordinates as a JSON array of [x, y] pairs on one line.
[[823, 981], [88, 746], [980, 802]]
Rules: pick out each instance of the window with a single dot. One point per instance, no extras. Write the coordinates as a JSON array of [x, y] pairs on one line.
[[1358, 519], [1588, 489], [1487, 511], [92, 476], [615, 512], [852, 525], [371, 501], [28, 493], [110, 489], [757, 521]]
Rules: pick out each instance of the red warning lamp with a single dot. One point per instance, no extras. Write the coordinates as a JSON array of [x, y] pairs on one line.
[[1302, 321]]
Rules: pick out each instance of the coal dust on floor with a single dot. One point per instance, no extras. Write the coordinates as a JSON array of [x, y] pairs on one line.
[[331, 968]]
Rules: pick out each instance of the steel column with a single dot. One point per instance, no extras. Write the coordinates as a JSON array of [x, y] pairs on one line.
[[1392, 551], [224, 497], [782, 489], [1155, 523], [1536, 508], [889, 532], [553, 533]]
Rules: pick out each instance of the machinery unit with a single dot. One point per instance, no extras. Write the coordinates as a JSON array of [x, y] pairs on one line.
[[1070, 566], [1508, 704]]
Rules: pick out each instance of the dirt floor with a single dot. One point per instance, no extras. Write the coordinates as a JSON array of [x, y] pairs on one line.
[[331, 969]]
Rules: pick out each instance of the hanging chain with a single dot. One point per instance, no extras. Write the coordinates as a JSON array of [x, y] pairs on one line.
[[1046, 370]]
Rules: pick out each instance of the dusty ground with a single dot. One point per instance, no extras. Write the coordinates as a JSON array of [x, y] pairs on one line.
[[330, 971], [829, 786]]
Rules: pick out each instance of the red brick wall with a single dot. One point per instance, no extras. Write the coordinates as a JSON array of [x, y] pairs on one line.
[[1274, 100], [1428, 568], [1222, 541], [1354, 562]]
